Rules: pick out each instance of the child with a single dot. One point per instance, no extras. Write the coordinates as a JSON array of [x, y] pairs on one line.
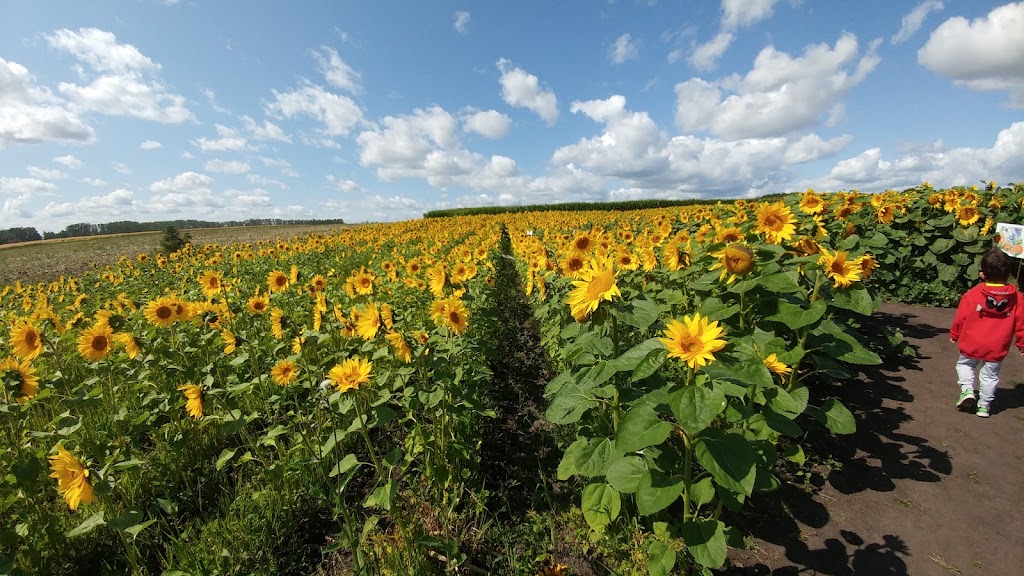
[[990, 318]]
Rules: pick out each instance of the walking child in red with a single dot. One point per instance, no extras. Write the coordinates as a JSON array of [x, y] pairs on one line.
[[989, 319]]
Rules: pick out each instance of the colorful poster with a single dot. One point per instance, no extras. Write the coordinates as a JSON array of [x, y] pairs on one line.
[[1010, 238]]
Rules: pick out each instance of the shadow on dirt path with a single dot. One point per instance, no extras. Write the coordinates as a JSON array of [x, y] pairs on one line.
[[920, 488]]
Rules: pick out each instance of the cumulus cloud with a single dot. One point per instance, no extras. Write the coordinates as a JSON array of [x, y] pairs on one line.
[[187, 191], [116, 205], [1002, 162], [126, 84], [69, 161], [122, 168], [983, 54], [736, 14], [94, 181], [265, 131], [45, 173], [150, 145], [623, 49], [229, 140], [264, 182], [521, 89], [31, 114], [228, 166], [780, 94], [339, 114], [461, 22], [25, 186], [705, 56], [335, 70], [914, 19], [490, 124]]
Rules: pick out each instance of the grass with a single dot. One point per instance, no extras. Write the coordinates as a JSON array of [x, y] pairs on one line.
[[48, 260]]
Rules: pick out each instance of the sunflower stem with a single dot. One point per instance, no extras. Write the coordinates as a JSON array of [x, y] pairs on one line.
[[687, 473]]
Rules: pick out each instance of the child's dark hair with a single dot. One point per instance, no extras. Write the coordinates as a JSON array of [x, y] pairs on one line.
[[996, 265]]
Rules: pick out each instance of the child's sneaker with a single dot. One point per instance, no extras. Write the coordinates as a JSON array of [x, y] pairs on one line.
[[982, 411], [966, 401]]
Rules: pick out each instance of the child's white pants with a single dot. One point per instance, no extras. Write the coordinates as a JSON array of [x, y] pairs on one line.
[[988, 377]]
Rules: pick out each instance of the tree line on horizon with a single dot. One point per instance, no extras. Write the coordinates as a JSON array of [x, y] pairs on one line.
[[29, 234]]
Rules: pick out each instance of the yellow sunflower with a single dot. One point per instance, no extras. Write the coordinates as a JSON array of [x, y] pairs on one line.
[[773, 364], [840, 268], [436, 280], [26, 341], [284, 372], [362, 282], [210, 281], [867, 265], [811, 203], [193, 400], [94, 344], [72, 478], [451, 313], [694, 340], [573, 265], [596, 283], [368, 322], [277, 280], [318, 283], [159, 312], [130, 346], [277, 323], [776, 222], [23, 376], [967, 215], [350, 374], [230, 341], [400, 346], [735, 260], [258, 304]]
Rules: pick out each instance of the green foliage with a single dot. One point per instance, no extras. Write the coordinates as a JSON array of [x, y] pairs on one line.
[[172, 240]]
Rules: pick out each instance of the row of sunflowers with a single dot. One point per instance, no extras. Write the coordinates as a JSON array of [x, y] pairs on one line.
[[153, 401]]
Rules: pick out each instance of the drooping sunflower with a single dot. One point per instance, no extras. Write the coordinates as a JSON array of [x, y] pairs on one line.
[[387, 315], [400, 346], [230, 341], [867, 265], [131, 347], [596, 283], [94, 344], [436, 279], [23, 376], [26, 341], [840, 268], [277, 323], [776, 222], [72, 478], [350, 374], [885, 214], [258, 304], [284, 372], [735, 260], [277, 280], [193, 400], [297, 344], [773, 364], [210, 281], [675, 256], [159, 312], [369, 322], [694, 340]]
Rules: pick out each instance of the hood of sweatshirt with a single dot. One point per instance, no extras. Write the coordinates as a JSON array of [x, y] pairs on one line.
[[1000, 300]]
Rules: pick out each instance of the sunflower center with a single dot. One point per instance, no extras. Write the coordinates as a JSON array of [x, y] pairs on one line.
[[258, 305], [690, 345], [454, 317], [163, 312], [582, 243], [31, 338], [100, 343]]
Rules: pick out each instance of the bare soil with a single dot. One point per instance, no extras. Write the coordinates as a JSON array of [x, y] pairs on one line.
[[921, 488]]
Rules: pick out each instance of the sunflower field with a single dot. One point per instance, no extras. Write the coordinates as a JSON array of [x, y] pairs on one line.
[[548, 392]]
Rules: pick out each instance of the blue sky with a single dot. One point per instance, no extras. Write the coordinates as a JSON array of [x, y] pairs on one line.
[[378, 111]]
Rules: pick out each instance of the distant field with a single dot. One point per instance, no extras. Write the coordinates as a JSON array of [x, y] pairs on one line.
[[47, 260]]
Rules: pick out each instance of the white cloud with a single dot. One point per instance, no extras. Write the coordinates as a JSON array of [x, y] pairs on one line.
[[490, 124], [779, 94], [25, 186], [101, 51], [344, 185], [30, 114], [150, 145], [982, 54], [339, 114], [623, 49], [122, 88], [914, 19], [1003, 162], [266, 131], [70, 161], [122, 168], [263, 181], [45, 173], [228, 141], [256, 198], [740, 13], [189, 192], [335, 70], [14, 208], [211, 97], [461, 22], [521, 89], [117, 205], [705, 56], [228, 166], [284, 165], [94, 181], [411, 146], [813, 147]]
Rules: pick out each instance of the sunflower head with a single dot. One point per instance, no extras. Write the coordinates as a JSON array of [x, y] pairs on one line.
[[693, 340], [735, 260], [350, 374], [26, 341]]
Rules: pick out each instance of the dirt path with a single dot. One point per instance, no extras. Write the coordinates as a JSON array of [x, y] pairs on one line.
[[923, 489]]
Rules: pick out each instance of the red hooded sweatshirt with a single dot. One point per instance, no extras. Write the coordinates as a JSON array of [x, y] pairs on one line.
[[990, 318]]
